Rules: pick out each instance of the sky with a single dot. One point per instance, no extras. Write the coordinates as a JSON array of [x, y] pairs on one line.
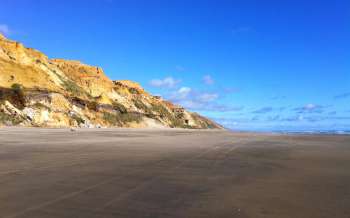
[[250, 65]]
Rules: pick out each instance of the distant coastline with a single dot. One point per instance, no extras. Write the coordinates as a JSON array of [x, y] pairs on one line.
[[318, 132], [299, 132]]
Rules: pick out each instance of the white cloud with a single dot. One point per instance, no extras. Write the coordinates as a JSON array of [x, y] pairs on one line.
[[300, 117], [190, 104], [208, 80], [196, 100], [182, 93], [187, 94], [309, 107], [168, 82], [207, 97], [4, 29]]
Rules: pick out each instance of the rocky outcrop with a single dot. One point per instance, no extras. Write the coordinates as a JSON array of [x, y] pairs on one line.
[[38, 91]]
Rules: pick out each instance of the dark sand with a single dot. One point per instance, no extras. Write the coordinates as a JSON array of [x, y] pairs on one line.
[[163, 173]]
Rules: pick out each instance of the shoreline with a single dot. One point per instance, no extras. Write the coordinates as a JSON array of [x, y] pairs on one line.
[[296, 133]]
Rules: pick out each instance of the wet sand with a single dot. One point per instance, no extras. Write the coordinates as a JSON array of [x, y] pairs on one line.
[[107, 173]]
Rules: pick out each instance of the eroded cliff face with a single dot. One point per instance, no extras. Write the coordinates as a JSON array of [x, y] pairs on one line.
[[38, 91]]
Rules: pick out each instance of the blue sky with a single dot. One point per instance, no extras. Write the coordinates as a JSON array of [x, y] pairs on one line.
[[251, 65]]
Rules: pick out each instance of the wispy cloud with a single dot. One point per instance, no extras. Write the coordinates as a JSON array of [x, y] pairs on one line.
[[263, 110], [278, 97], [208, 80], [186, 93], [223, 108], [207, 97], [209, 107], [310, 108], [4, 29], [256, 118], [323, 118], [292, 118], [231, 121], [308, 118], [168, 82], [182, 93], [332, 113], [268, 109], [199, 100], [342, 95], [273, 118]]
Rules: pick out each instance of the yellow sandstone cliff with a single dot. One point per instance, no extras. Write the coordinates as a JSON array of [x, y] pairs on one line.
[[38, 91]]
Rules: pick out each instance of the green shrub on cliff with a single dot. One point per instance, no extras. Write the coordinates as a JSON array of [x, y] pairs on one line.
[[118, 119], [73, 88], [9, 119], [161, 110], [140, 105], [18, 97], [119, 107]]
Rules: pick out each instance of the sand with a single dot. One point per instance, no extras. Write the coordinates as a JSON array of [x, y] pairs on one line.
[[132, 173]]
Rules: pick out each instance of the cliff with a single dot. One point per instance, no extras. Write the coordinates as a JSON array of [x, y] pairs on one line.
[[38, 91]]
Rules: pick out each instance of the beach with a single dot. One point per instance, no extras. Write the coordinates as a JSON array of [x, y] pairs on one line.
[[172, 173]]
